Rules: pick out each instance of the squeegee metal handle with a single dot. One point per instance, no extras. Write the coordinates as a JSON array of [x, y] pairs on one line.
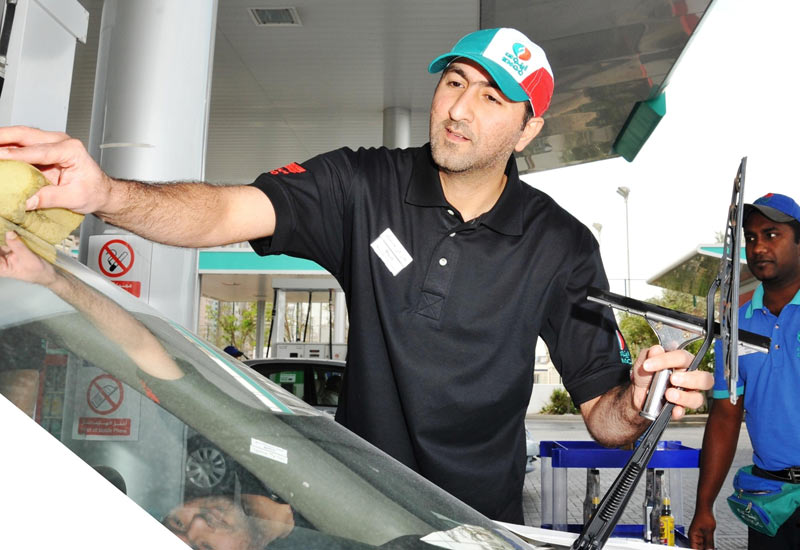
[[695, 327]]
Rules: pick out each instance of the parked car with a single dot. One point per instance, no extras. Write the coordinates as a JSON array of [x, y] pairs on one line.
[[315, 381], [192, 436]]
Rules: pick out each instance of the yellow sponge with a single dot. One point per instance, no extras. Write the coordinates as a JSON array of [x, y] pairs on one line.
[[18, 182], [41, 247]]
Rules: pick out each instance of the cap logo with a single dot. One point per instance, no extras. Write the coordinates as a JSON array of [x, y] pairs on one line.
[[522, 52], [515, 62]]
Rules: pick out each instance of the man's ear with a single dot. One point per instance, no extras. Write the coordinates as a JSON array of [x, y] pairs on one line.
[[530, 131]]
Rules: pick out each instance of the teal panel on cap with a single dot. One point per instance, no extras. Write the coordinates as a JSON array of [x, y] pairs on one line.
[[474, 43]]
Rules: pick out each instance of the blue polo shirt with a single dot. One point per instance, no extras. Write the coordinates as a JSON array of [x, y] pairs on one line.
[[770, 383]]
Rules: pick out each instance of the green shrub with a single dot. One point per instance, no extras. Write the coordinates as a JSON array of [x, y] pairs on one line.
[[560, 403]]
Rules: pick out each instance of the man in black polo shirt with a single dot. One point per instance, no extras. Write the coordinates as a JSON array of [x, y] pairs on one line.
[[451, 265]]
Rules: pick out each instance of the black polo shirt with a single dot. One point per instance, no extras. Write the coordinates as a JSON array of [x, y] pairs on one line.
[[444, 314]]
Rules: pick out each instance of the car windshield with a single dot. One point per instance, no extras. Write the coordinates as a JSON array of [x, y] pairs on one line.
[[222, 456]]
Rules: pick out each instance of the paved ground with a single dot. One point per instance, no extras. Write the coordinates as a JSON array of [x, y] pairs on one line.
[[731, 534]]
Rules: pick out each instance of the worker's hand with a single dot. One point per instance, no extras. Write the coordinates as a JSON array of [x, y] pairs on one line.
[[273, 520], [688, 387], [78, 182], [17, 261], [701, 531]]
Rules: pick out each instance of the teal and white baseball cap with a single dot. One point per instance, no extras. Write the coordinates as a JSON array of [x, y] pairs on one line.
[[517, 65]]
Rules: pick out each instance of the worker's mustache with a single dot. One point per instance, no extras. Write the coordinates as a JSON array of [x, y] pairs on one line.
[[458, 128]]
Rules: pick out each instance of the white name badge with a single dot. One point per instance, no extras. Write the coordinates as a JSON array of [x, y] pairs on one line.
[[391, 252]]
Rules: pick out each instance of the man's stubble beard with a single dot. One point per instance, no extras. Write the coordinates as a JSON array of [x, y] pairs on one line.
[[450, 161]]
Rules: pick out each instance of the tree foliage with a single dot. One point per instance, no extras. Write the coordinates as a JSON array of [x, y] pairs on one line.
[[639, 335], [560, 403], [235, 323]]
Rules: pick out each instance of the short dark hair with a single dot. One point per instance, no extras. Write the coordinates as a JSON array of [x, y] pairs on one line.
[[795, 225], [528, 114]]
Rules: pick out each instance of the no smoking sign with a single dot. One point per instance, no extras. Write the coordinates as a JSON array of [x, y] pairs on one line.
[[105, 394], [109, 410], [123, 260], [116, 258]]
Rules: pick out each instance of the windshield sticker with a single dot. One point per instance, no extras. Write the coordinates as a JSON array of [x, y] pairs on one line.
[[468, 537], [262, 448], [391, 251]]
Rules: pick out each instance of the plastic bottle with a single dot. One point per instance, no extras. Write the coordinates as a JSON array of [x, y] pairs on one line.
[[590, 509], [659, 493], [592, 499], [648, 504], [666, 525]]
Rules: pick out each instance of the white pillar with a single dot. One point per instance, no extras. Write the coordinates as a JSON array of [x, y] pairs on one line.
[[150, 118], [260, 322], [396, 127], [36, 67], [340, 316], [278, 321]]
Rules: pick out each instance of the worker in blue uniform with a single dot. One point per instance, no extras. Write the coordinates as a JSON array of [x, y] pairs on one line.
[[768, 383]]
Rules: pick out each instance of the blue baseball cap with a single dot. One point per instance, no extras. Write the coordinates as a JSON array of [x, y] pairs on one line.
[[778, 208], [517, 65]]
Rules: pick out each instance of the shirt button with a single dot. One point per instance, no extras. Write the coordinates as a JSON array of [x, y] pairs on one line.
[[442, 262], [777, 326], [777, 346], [451, 212]]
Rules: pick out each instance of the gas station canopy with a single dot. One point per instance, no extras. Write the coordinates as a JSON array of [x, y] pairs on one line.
[[240, 275], [694, 273], [321, 74], [313, 75]]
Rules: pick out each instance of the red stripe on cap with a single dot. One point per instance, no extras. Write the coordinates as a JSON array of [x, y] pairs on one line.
[[539, 87]]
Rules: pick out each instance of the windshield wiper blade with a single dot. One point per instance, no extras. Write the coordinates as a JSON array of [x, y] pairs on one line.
[[596, 532]]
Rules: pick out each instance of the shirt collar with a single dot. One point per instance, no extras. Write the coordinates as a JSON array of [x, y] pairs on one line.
[[757, 301], [425, 189]]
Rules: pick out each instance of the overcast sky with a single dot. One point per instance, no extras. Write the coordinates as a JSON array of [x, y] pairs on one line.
[[734, 94]]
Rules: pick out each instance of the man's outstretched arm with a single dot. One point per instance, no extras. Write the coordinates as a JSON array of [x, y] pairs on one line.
[[188, 214]]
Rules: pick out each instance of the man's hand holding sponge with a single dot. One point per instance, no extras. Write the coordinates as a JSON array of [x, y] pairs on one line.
[[39, 229]]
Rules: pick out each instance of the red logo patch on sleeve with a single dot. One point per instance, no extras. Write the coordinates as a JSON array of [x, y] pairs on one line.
[[148, 392], [292, 168]]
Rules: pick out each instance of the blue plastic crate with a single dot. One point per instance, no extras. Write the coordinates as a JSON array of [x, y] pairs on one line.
[[590, 454]]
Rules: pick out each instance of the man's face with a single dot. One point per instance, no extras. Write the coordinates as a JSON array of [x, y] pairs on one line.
[[772, 254], [211, 523], [473, 125]]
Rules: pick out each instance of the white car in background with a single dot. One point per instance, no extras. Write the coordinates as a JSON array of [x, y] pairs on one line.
[[106, 450]]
